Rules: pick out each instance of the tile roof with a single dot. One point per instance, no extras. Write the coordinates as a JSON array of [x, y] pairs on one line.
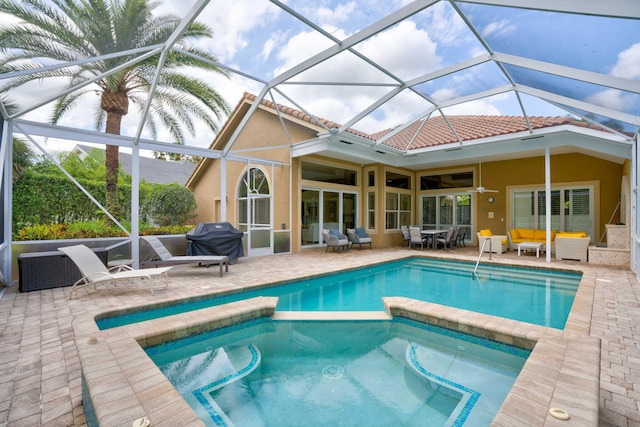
[[436, 131]]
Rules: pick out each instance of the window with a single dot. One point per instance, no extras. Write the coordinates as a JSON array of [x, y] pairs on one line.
[[571, 209], [446, 180], [371, 200], [332, 174], [254, 200], [446, 210], [397, 180], [371, 210], [397, 210]]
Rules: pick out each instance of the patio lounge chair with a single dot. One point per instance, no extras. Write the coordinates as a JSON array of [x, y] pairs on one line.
[[334, 239], [164, 257], [357, 236], [96, 273]]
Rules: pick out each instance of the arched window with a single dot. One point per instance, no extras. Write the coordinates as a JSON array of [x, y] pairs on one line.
[[254, 200]]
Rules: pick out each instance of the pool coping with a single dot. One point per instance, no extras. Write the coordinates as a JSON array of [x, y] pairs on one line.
[[123, 385]]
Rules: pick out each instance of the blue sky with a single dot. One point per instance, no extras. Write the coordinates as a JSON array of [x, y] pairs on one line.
[[261, 39], [264, 41]]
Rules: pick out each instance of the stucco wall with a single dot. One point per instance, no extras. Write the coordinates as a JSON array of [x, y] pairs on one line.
[[263, 132], [566, 169]]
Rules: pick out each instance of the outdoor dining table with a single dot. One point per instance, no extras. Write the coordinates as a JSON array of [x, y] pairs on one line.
[[433, 235]]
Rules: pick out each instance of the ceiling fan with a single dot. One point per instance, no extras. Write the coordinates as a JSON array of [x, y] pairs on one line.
[[480, 189]]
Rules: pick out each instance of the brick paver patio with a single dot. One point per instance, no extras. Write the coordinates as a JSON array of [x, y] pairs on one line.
[[40, 380]]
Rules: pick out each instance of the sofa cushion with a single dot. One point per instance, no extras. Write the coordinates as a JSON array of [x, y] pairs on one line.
[[486, 232], [527, 233], [572, 234], [360, 232], [539, 235], [515, 234]]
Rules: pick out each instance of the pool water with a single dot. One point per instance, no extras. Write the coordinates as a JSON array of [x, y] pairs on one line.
[[321, 373], [542, 297]]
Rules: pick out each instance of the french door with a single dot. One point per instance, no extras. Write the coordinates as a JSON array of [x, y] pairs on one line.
[[323, 209], [445, 210]]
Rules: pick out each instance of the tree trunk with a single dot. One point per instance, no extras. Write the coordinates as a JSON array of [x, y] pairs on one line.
[[116, 105]]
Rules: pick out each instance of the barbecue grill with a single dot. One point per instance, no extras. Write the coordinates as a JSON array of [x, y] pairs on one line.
[[215, 238]]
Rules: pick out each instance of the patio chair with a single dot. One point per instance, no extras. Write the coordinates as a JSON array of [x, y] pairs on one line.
[[498, 243], [334, 239], [446, 240], [415, 238], [164, 257], [96, 273], [357, 236], [462, 234], [454, 237], [405, 233]]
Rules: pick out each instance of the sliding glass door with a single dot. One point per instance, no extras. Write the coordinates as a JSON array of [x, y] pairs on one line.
[[571, 209], [445, 210], [326, 209]]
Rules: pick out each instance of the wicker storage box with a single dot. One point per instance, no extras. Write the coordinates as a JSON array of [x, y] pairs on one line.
[[46, 270]]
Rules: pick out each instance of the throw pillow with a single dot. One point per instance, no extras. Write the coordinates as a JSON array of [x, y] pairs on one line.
[[336, 233], [486, 232], [360, 232]]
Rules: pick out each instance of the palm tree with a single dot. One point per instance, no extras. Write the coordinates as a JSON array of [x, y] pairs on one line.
[[63, 31], [23, 155]]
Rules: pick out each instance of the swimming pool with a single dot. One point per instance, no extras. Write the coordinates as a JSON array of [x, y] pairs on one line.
[[395, 372], [542, 297]]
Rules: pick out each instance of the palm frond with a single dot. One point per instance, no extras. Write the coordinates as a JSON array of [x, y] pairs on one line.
[[60, 31], [65, 103]]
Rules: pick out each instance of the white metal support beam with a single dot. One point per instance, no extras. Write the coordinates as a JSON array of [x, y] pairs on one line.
[[547, 208], [570, 72], [580, 105], [6, 177], [635, 209], [611, 8]]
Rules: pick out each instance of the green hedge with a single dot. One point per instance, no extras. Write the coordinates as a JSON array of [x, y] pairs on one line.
[[84, 230], [49, 206], [54, 199]]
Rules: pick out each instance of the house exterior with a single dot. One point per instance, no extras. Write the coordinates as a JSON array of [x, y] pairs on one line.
[[284, 176], [152, 170]]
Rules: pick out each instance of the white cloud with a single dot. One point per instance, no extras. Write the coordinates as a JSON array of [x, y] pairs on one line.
[[231, 22], [613, 99], [342, 12], [445, 26], [502, 28], [405, 50], [414, 56], [628, 65]]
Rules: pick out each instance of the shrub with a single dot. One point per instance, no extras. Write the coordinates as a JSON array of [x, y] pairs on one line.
[[169, 204], [92, 229]]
